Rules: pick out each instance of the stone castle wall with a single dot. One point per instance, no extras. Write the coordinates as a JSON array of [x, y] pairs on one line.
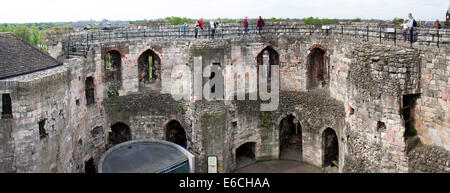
[[361, 102]]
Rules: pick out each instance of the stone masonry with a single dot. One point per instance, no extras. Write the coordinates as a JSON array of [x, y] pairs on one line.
[[360, 98]]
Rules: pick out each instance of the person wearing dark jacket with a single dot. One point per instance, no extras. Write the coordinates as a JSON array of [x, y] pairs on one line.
[[260, 25], [197, 25]]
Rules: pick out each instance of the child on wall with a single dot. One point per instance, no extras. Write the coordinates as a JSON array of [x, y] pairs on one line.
[[405, 29]]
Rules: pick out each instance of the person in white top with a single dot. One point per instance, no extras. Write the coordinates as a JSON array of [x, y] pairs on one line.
[[213, 25], [405, 29], [411, 27]]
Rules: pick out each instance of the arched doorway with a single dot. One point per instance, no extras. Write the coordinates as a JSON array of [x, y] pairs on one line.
[[245, 155], [316, 69], [267, 57], [89, 167], [113, 72], [330, 148], [175, 133], [120, 133], [149, 67], [291, 145]]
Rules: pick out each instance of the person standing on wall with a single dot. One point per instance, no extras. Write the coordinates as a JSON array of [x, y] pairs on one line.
[[437, 25], [200, 24], [405, 29], [197, 25], [260, 25], [411, 24], [183, 27], [213, 25], [245, 25]]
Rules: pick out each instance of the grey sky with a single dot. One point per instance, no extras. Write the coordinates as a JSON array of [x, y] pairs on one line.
[[20, 11]]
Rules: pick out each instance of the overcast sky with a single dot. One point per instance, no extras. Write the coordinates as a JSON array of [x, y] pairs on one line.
[[20, 11]]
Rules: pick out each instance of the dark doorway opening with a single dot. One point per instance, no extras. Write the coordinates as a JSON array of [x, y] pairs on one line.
[[291, 139], [120, 133], [245, 155], [89, 167], [316, 69], [331, 148], [175, 133], [217, 88], [42, 132], [89, 90], [6, 106], [149, 67], [408, 112]]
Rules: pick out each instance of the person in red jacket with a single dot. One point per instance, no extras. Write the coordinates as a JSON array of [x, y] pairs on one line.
[[260, 24], [245, 25], [201, 23]]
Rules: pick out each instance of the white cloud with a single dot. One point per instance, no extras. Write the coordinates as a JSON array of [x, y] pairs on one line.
[[59, 10]]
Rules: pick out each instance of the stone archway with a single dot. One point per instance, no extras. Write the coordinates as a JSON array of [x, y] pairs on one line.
[[245, 155], [290, 139], [330, 148], [120, 133], [267, 57], [175, 133], [149, 68], [89, 167], [316, 68], [113, 72]]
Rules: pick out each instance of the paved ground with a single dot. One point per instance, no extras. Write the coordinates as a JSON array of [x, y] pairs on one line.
[[280, 166]]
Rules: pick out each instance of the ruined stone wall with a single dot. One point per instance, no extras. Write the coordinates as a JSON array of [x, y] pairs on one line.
[[379, 76], [86, 121], [367, 79], [433, 106], [429, 159], [42, 99], [74, 131], [361, 101]]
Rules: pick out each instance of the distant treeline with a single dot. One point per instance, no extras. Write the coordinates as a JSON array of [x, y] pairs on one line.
[[307, 21], [30, 32]]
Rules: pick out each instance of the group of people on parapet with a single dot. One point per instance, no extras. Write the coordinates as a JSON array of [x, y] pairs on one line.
[[213, 26], [408, 28]]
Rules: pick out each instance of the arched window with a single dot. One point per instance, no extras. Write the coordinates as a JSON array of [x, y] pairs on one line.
[[330, 148], [113, 65], [290, 139], [245, 155], [149, 67], [120, 133], [90, 91], [268, 57], [176, 134], [316, 69]]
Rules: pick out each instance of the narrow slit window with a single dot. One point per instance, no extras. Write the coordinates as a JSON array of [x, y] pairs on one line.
[[42, 132], [6, 105], [90, 95]]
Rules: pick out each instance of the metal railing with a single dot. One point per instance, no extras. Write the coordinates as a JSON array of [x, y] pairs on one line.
[[424, 36]]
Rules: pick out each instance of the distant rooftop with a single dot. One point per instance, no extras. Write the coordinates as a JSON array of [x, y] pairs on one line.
[[18, 57]]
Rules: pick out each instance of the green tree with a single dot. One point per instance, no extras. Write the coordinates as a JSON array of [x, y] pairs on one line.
[[398, 21], [23, 32]]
